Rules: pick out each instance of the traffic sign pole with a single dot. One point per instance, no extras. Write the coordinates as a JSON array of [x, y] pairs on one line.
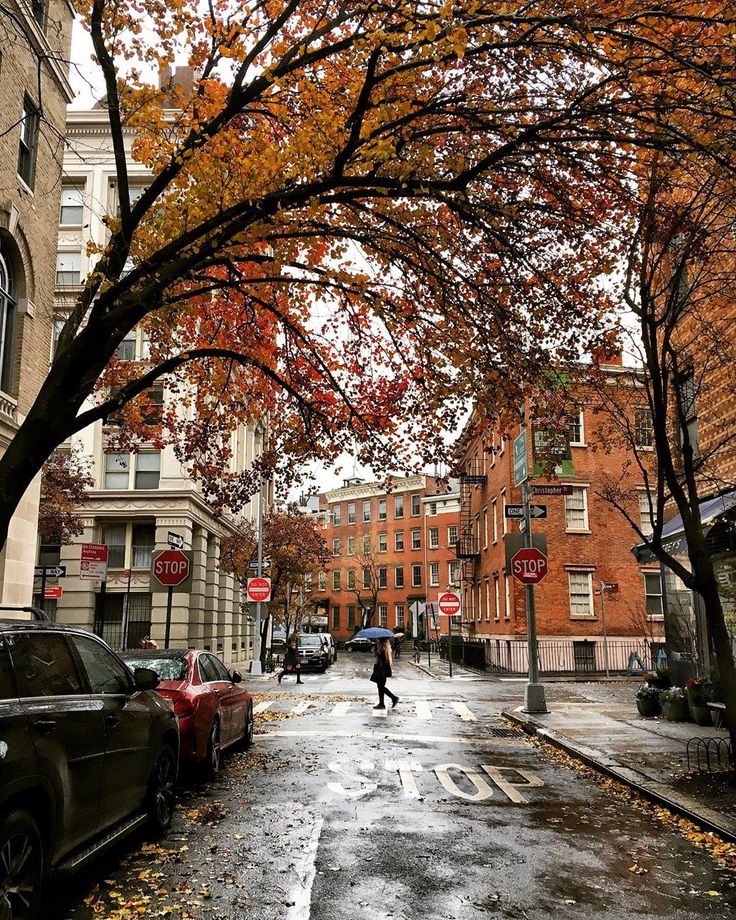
[[169, 599], [256, 667], [534, 700]]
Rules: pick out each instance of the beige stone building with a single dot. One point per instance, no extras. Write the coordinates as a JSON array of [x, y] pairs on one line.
[[139, 499], [35, 38]]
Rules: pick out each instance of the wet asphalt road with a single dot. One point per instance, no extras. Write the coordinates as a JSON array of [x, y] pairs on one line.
[[434, 810]]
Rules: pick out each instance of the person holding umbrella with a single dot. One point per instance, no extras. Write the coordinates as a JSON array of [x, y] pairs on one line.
[[382, 671], [291, 662]]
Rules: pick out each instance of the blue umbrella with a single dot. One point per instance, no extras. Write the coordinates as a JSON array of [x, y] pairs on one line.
[[374, 632]]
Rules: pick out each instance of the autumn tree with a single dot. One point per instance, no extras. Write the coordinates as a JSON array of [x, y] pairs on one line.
[[65, 481], [297, 553], [676, 409], [365, 212]]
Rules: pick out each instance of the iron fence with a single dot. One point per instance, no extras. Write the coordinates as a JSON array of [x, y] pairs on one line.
[[556, 656]]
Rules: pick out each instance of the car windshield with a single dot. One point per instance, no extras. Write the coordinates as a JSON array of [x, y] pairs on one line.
[[310, 640], [166, 668]]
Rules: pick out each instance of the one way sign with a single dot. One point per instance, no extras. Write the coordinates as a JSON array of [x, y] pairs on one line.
[[517, 511]]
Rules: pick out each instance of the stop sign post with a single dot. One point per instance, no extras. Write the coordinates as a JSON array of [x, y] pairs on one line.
[[529, 566], [171, 569]]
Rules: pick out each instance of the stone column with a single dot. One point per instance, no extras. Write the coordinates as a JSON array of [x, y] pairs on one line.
[[212, 592], [198, 598]]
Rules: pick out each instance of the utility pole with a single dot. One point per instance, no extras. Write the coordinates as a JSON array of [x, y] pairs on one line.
[[256, 666]]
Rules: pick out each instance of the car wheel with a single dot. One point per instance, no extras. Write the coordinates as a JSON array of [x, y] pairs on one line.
[[214, 751], [248, 729], [21, 867], [161, 791]]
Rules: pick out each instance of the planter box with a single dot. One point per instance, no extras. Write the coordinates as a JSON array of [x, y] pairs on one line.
[[700, 714], [717, 714], [649, 708], [675, 711]]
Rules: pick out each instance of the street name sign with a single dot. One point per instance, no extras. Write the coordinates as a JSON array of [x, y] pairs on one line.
[[517, 511], [521, 462], [449, 603], [93, 561], [49, 571], [171, 568], [259, 590], [529, 566], [551, 490]]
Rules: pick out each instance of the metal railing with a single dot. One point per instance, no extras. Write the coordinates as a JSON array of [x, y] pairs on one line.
[[556, 657]]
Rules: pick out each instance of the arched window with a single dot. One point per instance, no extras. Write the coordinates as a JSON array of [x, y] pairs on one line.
[[7, 324]]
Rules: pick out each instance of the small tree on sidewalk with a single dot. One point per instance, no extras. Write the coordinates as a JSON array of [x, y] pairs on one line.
[[677, 412], [65, 481], [367, 586]]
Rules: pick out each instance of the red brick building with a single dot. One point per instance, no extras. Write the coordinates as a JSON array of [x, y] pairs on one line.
[[589, 542], [390, 548]]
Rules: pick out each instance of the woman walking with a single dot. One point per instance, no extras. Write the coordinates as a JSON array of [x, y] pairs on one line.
[[291, 662], [382, 671]]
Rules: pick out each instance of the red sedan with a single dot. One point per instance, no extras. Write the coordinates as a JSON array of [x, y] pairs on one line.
[[214, 711]]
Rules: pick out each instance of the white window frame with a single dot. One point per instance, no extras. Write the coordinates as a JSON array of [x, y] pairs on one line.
[[416, 538], [646, 513], [416, 567], [485, 527], [434, 574], [416, 505], [507, 597], [367, 511], [71, 190], [488, 599], [452, 535], [398, 538], [399, 582], [504, 521], [653, 573], [581, 424], [497, 595], [588, 575], [383, 542], [494, 520], [336, 546], [585, 527], [434, 538]]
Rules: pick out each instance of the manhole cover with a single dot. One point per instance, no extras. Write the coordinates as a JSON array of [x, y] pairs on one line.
[[507, 732]]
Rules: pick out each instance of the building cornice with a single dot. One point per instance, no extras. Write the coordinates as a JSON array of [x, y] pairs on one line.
[[373, 489]]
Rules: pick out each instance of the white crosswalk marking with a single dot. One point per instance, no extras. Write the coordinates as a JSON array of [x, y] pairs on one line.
[[260, 707], [302, 707], [465, 714], [380, 713], [341, 708], [424, 710]]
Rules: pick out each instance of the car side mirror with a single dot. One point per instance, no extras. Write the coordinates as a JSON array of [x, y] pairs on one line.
[[237, 677], [146, 679]]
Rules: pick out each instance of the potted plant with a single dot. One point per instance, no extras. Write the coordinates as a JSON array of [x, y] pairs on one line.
[[674, 704], [660, 679], [647, 701], [698, 695]]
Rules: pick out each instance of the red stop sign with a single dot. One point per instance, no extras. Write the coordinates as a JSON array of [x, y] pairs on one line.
[[449, 603], [171, 567], [529, 566]]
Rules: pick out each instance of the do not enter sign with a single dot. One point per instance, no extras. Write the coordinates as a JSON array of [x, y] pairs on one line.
[[449, 603], [529, 566], [259, 590], [171, 568]]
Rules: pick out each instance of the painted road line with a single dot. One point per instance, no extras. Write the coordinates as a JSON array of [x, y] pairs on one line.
[[390, 736], [301, 893], [341, 708], [423, 711], [260, 707], [302, 707], [462, 710], [380, 713]]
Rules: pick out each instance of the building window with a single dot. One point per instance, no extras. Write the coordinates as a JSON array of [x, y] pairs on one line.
[[72, 206], [335, 546], [114, 536], [68, 269], [645, 514], [494, 520], [575, 429], [28, 142], [643, 428], [383, 577], [366, 511], [488, 600], [497, 598], [416, 505], [366, 543], [351, 616], [581, 593], [479, 613], [434, 574], [322, 582], [452, 535], [336, 579], [336, 617], [504, 522], [653, 590], [351, 512], [351, 546], [399, 611], [399, 541], [382, 509], [416, 576], [147, 470], [576, 510], [453, 572], [507, 598], [383, 615], [398, 506], [416, 539], [399, 576], [434, 537], [7, 326], [383, 542], [144, 540], [485, 527], [126, 349], [336, 515], [351, 579], [117, 468], [39, 9]]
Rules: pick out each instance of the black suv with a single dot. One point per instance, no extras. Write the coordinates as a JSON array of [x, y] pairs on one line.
[[87, 754]]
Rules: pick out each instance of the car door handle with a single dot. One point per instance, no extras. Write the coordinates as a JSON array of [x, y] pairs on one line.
[[46, 726], [112, 721]]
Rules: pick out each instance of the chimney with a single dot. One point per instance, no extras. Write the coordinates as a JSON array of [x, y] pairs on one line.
[[182, 79], [164, 77]]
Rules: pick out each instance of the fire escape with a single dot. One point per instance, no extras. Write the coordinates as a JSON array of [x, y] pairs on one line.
[[467, 547]]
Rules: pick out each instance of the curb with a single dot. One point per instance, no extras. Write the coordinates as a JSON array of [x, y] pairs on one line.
[[686, 807]]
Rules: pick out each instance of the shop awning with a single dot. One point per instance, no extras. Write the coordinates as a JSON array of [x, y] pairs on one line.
[[673, 536]]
